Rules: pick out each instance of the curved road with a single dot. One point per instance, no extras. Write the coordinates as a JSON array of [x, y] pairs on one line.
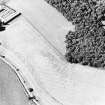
[[54, 80]]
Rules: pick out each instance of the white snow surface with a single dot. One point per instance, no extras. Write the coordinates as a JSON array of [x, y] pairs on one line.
[[69, 84]]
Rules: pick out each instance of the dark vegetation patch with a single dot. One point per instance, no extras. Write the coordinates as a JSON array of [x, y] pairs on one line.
[[86, 45], [2, 28]]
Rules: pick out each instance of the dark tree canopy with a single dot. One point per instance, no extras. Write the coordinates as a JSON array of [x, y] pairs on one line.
[[2, 28], [87, 44]]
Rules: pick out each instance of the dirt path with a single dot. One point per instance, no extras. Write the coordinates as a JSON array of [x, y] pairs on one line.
[[66, 83], [50, 23]]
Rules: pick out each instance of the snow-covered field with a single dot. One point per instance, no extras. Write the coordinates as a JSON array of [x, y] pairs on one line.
[[11, 91], [45, 19], [66, 84]]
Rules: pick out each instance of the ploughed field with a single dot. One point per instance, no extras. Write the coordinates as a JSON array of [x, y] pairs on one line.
[[85, 45]]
